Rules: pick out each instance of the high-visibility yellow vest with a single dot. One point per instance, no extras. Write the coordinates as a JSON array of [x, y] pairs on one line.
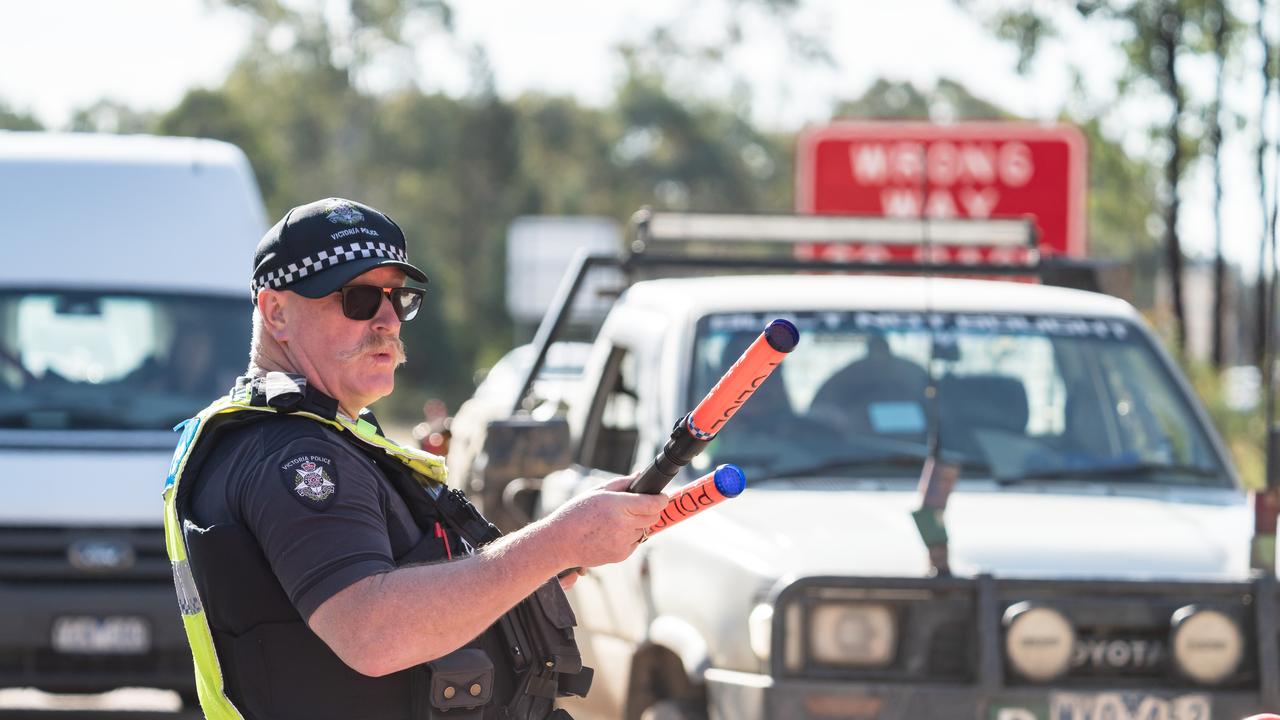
[[428, 468]]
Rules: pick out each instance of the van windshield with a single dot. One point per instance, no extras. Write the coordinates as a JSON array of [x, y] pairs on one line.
[[84, 360], [1020, 398]]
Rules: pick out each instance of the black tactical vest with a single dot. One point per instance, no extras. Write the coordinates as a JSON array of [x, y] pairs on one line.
[[275, 668]]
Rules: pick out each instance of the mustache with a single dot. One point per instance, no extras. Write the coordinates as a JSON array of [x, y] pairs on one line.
[[375, 343]]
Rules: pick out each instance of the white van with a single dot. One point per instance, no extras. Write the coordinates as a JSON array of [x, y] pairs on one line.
[[124, 309]]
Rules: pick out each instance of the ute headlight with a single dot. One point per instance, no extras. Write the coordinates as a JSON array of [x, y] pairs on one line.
[[760, 630], [1207, 644], [858, 634], [1038, 641]]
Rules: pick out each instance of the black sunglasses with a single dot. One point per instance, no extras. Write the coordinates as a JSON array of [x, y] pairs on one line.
[[361, 302]]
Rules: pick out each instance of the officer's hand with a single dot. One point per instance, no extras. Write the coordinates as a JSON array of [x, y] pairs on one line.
[[619, 484], [604, 525]]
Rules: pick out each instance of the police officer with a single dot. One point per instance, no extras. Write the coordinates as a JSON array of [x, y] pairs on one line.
[[324, 571]]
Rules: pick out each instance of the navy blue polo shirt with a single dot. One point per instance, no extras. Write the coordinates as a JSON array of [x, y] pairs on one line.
[[322, 513]]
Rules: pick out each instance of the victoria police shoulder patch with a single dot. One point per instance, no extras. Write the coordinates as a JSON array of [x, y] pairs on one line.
[[311, 478]]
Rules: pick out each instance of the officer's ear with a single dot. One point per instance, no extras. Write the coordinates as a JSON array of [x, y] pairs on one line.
[[271, 306]]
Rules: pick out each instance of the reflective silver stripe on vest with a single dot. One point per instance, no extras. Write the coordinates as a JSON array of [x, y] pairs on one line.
[[185, 584]]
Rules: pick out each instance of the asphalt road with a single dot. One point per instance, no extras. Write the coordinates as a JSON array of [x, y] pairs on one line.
[[124, 704]]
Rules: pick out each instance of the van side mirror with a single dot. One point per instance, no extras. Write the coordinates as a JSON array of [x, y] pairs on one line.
[[518, 449]]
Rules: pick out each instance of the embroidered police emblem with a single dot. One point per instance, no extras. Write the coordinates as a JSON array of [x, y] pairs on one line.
[[344, 213], [312, 478]]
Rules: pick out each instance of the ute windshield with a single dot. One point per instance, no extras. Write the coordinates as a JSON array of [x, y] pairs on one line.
[[1020, 398], [85, 360]]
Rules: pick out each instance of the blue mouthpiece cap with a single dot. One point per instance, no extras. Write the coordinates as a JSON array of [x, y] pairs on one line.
[[730, 480], [782, 335]]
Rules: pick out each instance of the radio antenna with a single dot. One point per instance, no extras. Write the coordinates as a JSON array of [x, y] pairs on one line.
[[937, 479], [932, 431]]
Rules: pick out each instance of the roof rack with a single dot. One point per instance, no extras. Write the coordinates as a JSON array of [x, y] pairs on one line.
[[662, 244], [716, 233]]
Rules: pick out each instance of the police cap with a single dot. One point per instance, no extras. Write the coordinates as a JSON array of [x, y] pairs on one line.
[[317, 248]]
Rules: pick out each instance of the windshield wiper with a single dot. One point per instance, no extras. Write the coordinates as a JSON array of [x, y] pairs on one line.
[[1128, 471]]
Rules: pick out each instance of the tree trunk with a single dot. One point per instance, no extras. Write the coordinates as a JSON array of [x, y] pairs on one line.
[[1170, 38], [1215, 138], [1261, 296]]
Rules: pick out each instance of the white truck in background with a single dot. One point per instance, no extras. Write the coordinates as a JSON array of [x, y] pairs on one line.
[[124, 309], [1095, 557]]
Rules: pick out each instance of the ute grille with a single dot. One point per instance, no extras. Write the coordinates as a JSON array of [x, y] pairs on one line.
[[43, 554]]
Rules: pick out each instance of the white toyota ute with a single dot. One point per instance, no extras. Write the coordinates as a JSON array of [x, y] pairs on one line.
[[1090, 561]]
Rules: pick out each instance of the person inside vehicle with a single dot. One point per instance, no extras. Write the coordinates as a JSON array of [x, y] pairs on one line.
[[873, 395]]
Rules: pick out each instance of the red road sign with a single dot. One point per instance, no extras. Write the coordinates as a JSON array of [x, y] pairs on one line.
[[979, 170]]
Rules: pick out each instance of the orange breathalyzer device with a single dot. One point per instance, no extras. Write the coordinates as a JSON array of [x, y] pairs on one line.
[[726, 481], [691, 435]]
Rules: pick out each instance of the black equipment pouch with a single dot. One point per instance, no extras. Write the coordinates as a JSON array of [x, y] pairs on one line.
[[461, 684], [542, 631], [551, 621], [538, 631]]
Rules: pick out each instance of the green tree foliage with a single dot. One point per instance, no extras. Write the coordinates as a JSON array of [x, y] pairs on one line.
[[1219, 41], [948, 101], [213, 114], [454, 172], [110, 116], [11, 119], [1121, 201], [1262, 295], [1157, 34], [686, 155], [1244, 432], [1025, 30]]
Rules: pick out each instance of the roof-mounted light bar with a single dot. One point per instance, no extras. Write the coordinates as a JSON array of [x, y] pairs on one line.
[[672, 230]]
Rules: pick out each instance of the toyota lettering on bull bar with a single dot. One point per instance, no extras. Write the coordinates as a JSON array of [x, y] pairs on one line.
[[1117, 654]]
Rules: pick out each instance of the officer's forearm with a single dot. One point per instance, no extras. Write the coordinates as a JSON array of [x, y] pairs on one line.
[[399, 619]]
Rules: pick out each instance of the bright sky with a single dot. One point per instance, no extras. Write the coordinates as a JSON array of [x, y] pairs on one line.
[[146, 53]]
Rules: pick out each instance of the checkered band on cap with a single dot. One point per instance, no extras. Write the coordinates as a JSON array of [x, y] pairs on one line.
[[324, 260]]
